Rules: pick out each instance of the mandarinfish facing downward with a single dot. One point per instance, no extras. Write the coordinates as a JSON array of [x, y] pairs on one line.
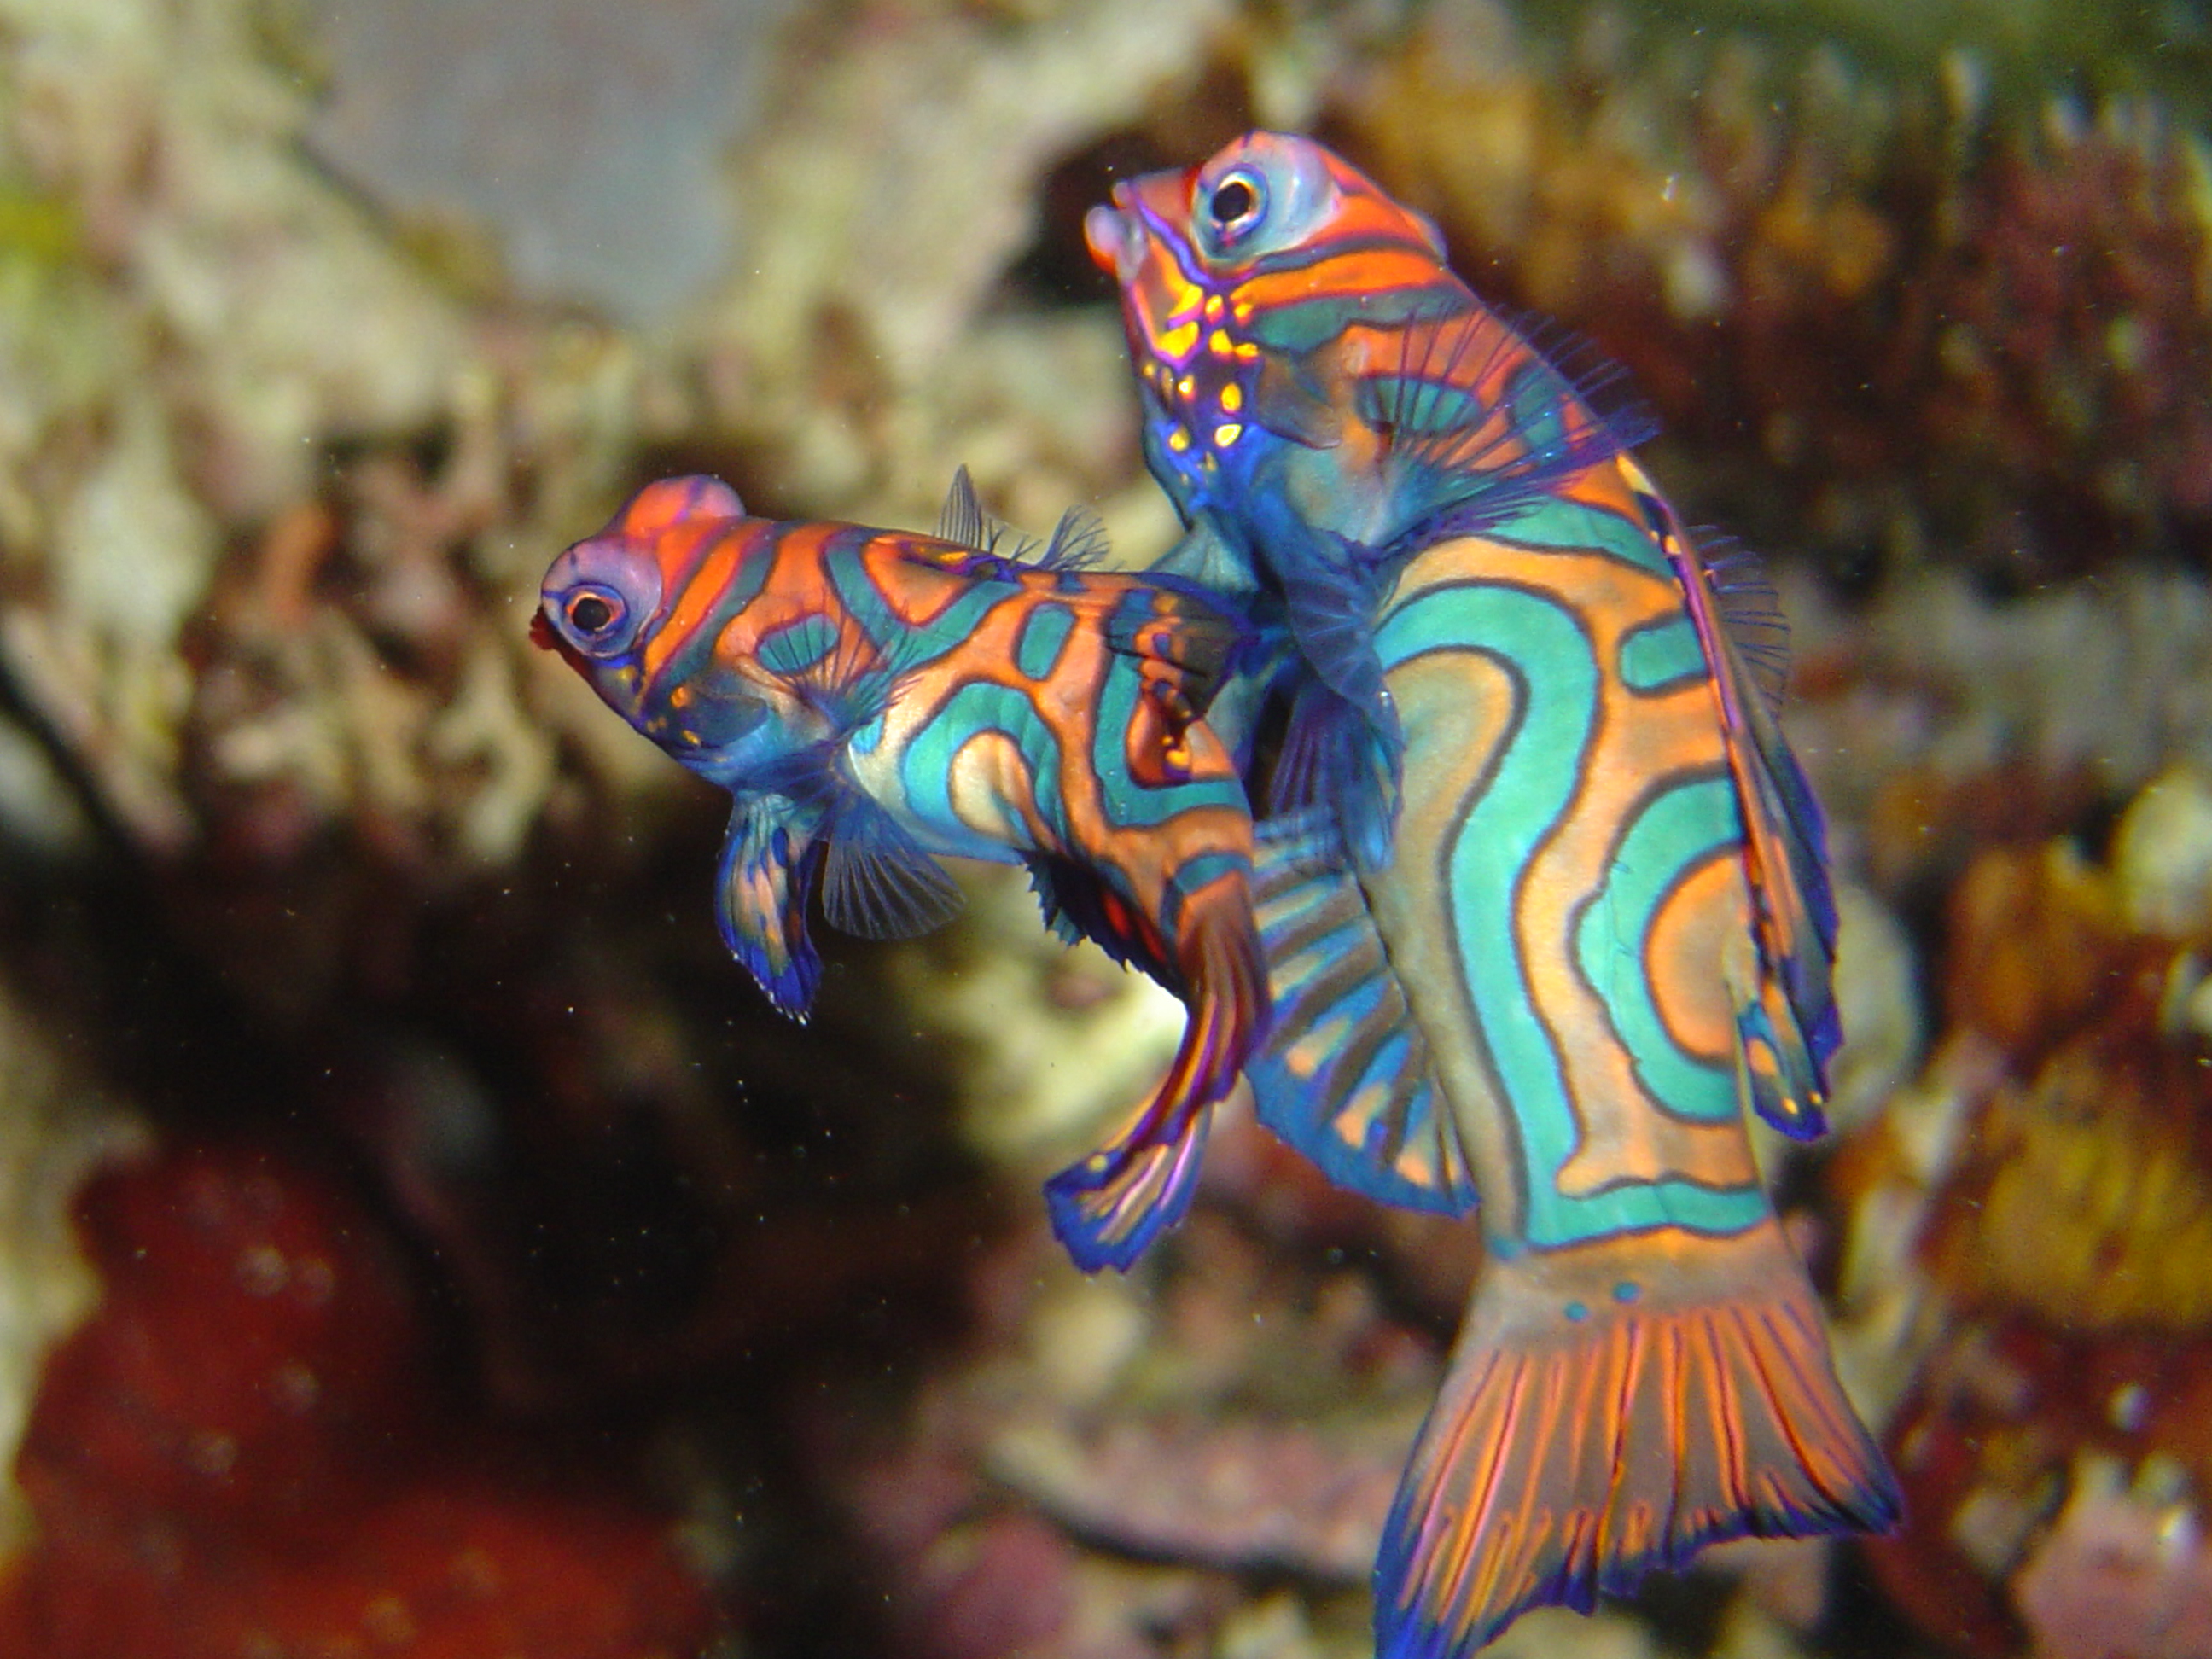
[[1547, 904], [873, 699]]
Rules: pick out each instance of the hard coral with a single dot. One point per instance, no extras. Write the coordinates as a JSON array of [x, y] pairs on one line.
[[245, 1453]]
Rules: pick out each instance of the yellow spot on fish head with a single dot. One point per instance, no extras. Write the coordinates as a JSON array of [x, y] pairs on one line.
[[1213, 307], [1247, 352], [1178, 439], [1219, 343], [1227, 434], [1177, 342], [1232, 399], [1186, 389]]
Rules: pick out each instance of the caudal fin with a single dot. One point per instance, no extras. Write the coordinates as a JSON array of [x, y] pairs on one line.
[[1578, 1444]]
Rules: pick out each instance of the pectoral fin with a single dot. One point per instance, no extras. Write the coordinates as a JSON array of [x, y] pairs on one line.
[[769, 858], [1344, 748], [1345, 1075], [877, 882]]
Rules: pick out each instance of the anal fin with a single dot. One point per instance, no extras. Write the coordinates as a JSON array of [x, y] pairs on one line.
[[1106, 1207]]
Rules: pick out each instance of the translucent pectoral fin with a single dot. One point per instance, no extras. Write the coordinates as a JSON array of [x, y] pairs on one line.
[[878, 882], [1344, 748], [1334, 757], [768, 861]]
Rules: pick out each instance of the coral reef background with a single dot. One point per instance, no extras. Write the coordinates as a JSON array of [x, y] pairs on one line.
[[417, 1237]]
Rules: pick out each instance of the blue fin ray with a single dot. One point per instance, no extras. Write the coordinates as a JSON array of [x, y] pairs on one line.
[[1107, 1208]]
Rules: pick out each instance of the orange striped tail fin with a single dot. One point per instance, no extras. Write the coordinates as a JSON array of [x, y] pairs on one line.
[[1578, 1445]]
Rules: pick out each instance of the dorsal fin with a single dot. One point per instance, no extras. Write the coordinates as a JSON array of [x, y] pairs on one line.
[[961, 519], [1796, 1028], [1078, 541], [1749, 609]]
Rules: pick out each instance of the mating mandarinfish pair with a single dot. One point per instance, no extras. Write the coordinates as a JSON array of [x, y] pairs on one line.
[[1546, 907], [871, 699], [1543, 899]]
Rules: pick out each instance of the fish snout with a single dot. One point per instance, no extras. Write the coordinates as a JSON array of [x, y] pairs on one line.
[[1117, 243]]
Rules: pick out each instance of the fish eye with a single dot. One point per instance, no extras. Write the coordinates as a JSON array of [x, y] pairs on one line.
[[593, 613], [1234, 201]]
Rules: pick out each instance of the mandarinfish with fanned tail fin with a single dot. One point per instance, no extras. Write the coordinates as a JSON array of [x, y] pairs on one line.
[[873, 699], [1544, 902]]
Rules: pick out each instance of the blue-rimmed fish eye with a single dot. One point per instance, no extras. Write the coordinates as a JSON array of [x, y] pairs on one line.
[[595, 617], [1263, 194], [1236, 203], [593, 611]]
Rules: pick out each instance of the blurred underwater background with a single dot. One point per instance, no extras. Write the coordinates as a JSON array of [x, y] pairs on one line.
[[418, 1238]]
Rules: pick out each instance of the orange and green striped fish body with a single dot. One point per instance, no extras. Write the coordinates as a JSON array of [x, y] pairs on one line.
[[874, 699], [1546, 907]]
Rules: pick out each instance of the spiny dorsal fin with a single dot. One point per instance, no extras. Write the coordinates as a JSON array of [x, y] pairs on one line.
[[1078, 541], [961, 520]]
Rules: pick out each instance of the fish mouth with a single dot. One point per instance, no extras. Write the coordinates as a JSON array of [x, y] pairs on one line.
[[546, 637], [1127, 237], [1116, 241]]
